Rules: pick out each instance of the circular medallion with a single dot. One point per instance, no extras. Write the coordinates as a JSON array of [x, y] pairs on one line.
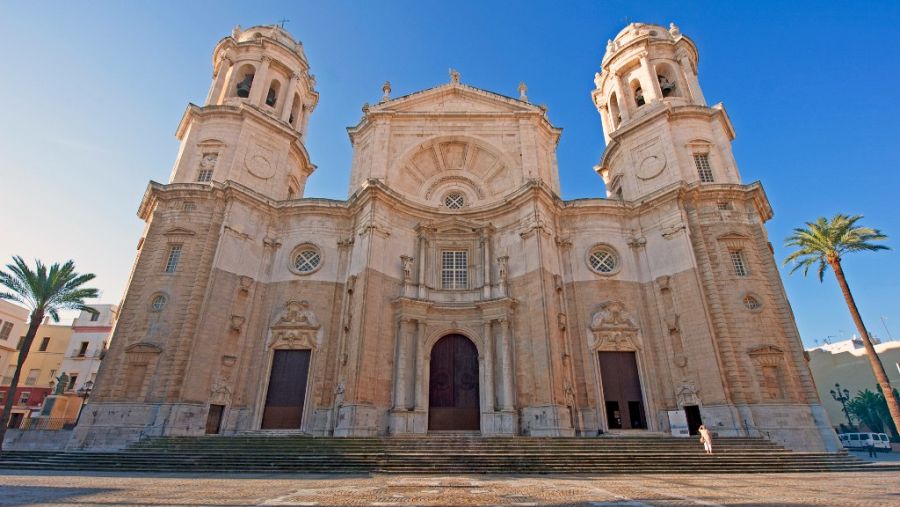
[[259, 165], [651, 166]]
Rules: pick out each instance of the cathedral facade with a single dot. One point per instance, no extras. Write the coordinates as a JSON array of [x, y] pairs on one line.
[[454, 290]]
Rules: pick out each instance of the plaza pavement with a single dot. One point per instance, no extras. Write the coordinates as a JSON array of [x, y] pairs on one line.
[[110, 489]]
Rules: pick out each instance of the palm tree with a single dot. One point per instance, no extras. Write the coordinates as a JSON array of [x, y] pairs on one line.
[[865, 408], [45, 292], [821, 244]]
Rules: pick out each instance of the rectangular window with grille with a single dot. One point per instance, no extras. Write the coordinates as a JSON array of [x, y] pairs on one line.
[[701, 160], [204, 175], [739, 263], [45, 342], [5, 330], [454, 269], [32, 377], [173, 258], [23, 399]]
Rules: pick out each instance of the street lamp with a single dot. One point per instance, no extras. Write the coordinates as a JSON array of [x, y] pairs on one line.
[[842, 397], [84, 392]]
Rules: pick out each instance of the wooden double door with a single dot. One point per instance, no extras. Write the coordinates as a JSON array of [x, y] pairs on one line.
[[287, 390], [453, 395], [624, 403]]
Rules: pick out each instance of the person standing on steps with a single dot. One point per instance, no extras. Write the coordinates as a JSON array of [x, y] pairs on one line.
[[705, 439]]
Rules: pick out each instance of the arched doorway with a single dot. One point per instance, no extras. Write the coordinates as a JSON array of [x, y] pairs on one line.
[[453, 400]]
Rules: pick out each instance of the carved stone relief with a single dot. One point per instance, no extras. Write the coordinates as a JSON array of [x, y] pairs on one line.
[[613, 328], [296, 327]]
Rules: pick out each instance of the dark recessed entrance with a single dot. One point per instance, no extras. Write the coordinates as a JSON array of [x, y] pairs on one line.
[[214, 419], [287, 389], [622, 390], [694, 421], [453, 401]]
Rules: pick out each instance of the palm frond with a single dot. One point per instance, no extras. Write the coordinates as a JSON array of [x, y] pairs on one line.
[[824, 241], [47, 289]]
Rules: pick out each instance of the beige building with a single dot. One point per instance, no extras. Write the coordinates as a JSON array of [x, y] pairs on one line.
[[847, 364], [454, 289], [13, 325], [87, 348], [40, 371]]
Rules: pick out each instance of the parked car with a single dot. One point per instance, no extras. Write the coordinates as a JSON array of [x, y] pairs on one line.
[[864, 440]]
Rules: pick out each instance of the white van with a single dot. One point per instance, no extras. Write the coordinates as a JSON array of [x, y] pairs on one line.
[[864, 440]]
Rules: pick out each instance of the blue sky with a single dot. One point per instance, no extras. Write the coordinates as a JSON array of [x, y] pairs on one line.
[[92, 94]]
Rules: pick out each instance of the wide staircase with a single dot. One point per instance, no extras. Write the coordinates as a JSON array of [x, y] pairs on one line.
[[440, 454]]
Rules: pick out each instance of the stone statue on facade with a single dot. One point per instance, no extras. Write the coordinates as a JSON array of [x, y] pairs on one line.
[[407, 262]]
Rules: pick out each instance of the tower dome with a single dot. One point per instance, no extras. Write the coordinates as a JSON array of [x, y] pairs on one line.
[[657, 126]]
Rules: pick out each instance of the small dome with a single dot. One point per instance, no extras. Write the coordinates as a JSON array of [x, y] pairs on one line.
[[635, 30], [271, 31]]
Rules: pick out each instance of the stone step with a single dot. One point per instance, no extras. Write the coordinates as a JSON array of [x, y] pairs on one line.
[[293, 452]]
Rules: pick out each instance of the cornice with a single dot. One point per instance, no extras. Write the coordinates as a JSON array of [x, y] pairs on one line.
[[193, 111]]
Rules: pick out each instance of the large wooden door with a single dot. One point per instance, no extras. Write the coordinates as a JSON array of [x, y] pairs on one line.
[[214, 419], [453, 401], [287, 389], [622, 390]]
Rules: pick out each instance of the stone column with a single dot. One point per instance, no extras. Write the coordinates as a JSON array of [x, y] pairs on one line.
[[606, 118], [401, 366], [489, 388], [223, 75], [506, 391], [687, 70], [422, 267], [622, 94], [486, 256], [421, 381], [652, 93], [288, 102], [260, 82], [304, 119]]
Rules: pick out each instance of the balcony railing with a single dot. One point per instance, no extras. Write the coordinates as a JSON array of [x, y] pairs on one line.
[[89, 354], [46, 424]]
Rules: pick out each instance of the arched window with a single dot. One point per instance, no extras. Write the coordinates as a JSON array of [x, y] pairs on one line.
[[614, 115], [294, 119], [272, 94], [638, 93], [244, 81], [668, 83]]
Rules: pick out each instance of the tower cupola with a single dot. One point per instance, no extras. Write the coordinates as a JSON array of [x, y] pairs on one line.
[[643, 66], [252, 127], [658, 128], [266, 68]]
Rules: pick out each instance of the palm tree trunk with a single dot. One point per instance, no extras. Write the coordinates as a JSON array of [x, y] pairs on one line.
[[36, 317], [877, 368]]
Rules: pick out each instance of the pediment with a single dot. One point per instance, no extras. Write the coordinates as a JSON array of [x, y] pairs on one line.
[[453, 226], [143, 348], [455, 98], [179, 231], [765, 350]]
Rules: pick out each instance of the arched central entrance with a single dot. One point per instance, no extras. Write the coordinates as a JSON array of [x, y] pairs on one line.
[[453, 401]]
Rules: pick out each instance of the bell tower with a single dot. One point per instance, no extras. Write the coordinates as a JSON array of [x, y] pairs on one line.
[[252, 127], [658, 128]]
